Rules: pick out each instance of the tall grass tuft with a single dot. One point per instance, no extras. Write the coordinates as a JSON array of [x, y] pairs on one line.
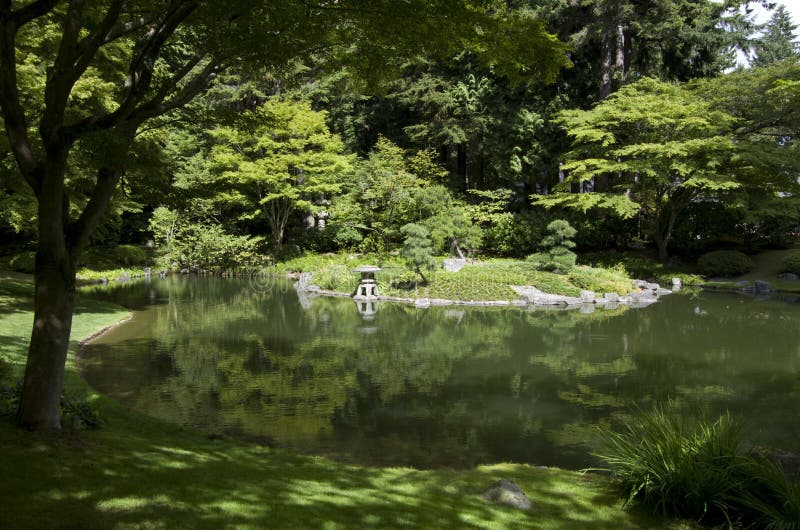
[[676, 468], [772, 499]]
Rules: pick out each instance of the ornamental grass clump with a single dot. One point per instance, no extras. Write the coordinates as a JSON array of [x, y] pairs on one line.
[[678, 469], [700, 471]]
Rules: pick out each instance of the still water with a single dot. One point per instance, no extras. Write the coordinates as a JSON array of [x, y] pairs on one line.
[[442, 387]]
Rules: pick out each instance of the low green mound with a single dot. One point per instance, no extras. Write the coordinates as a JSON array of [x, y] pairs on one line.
[[791, 262], [724, 263]]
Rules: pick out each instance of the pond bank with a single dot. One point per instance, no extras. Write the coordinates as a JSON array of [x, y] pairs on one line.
[[141, 472]]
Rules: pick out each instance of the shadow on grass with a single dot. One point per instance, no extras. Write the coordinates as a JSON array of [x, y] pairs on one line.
[[160, 477]]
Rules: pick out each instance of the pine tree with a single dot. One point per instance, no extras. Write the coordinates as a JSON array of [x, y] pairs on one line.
[[778, 41]]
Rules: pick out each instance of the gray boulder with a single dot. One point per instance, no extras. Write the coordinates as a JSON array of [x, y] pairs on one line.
[[454, 264], [506, 492], [611, 297], [789, 277], [763, 287], [587, 297]]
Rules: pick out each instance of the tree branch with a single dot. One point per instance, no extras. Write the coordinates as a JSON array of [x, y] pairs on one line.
[[126, 28], [23, 15], [87, 47], [16, 124], [61, 77], [79, 231]]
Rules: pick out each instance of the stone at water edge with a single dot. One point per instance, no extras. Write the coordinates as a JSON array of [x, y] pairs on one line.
[[506, 492], [763, 287], [789, 277], [587, 297], [611, 297]]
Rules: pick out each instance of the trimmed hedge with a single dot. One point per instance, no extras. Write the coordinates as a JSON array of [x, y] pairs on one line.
[[724, 263]]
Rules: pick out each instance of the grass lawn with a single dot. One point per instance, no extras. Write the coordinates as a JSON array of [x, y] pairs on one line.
[[137, 472]]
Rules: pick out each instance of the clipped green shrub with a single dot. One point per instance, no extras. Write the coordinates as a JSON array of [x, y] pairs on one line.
[[24, 262], [129, 255], [556, 253], [678, 469], [791, 262], [724, 263]]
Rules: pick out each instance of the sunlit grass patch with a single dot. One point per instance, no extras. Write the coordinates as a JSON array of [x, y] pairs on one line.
[[138, 472]]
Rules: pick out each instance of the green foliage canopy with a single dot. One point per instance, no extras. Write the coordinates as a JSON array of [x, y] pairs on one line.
[[650, 149]]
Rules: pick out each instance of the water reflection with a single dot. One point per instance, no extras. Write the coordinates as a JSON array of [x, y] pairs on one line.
[[441, 386]]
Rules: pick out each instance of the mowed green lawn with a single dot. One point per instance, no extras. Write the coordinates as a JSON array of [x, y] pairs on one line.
[[137, 472]]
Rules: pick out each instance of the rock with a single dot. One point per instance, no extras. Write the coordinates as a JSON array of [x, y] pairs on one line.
[[124, 277], [676, 282], [640, 284], [661, 291], [506, 492], [763, 287], [454, 264], [652, 287], [422, 303], [587, 297], [611, 297], [303, 282], [789, 277], [526, 292], [555, 299]]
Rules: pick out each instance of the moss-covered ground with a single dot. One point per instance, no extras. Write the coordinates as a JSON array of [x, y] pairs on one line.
[[137, 472]]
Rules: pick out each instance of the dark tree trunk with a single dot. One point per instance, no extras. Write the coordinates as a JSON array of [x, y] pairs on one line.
[[461, 165], [54, 299], [606, 62]]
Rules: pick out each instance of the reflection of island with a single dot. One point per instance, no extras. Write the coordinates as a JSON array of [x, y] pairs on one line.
[[443, 386]]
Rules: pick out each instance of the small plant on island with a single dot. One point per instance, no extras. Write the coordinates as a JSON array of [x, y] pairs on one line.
[[556, 253], [418, 250]]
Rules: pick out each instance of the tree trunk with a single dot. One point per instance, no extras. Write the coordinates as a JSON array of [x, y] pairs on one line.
[[54, 300], [606, 62]]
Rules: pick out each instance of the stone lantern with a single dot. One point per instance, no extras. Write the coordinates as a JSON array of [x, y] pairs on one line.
[[367, 288]]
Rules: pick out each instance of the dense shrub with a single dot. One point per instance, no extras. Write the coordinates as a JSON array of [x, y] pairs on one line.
[[724, 263], [791, 262], [24, 262], [513, 234], [129, 255]]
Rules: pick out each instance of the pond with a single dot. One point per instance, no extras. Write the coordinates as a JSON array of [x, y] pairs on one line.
[[442, 387]]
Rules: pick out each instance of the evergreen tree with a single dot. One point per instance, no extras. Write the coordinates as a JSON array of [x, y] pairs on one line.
[[556, 253], [418, 249], [778, 41]]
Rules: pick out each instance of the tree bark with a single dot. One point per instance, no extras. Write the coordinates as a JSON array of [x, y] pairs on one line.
[[54, 299]]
